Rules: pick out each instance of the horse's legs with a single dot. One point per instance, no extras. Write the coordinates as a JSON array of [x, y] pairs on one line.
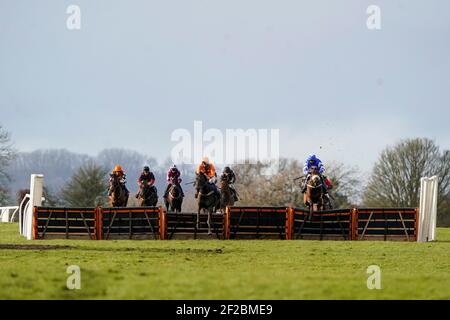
[[167, 204], [198, 218], [311, 209], [209, 221]]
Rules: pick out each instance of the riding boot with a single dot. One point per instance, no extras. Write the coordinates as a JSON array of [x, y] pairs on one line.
[[324, 186], [305, 184], [235, 196]]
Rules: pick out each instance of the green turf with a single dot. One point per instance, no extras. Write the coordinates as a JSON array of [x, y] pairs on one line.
[[223, 269]]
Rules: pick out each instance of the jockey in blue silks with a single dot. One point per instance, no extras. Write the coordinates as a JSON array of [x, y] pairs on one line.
[[313, 161]]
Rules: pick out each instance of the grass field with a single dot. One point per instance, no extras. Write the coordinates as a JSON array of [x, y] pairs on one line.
[[222, 269]]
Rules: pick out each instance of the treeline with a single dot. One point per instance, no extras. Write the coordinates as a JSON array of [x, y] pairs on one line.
[[61, 166], [80, 180]]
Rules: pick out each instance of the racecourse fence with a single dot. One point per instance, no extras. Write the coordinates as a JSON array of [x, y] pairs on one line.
[[256, 223], [325, 225], [386, 224], [184, 226], [130, 223], [235, 223], [68, 223]]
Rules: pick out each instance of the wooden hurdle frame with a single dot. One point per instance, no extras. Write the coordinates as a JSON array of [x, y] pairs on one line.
[[363, 223]]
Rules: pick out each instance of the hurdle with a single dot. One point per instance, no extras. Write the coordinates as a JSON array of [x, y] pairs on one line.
[[235, 223]]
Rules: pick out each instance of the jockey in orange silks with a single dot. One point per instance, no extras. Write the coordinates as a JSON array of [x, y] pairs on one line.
[[118, 172], [208, 169]]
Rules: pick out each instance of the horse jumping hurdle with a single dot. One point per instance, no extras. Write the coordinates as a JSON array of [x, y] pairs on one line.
[[236, 223]]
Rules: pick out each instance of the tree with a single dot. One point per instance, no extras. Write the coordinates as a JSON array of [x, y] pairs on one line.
[[57, 166], [395, 179], [346, 184], [86, 186], [280, 189], [6, 155], [5, 198]]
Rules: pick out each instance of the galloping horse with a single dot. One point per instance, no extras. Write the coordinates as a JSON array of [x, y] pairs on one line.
[[208, 201], [148, 195], [226, 195], [174, 200], [118, 197], [313, 197]]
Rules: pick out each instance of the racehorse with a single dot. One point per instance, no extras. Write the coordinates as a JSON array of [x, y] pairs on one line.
[[118, 198], [148, 195], [208, 201], [313, 197], [174, 199], [226, 195]]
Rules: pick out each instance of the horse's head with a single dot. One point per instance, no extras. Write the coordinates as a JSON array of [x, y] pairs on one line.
[[315, 181], [115, 181], [144, 185], [200, 180], [175, 190]]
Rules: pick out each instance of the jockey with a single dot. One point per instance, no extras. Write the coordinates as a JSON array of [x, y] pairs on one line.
[[313, 161], [173, 174], [118, 172], [148, 177], [229, 177], [208, 169]]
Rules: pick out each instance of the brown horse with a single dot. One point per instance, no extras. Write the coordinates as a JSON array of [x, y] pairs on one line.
[[226, 195], [313, 197], [208, 200], [118, 197], [148, 195], [174, 198]]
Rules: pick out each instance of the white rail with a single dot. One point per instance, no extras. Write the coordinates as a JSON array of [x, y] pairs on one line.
[[7, 214]]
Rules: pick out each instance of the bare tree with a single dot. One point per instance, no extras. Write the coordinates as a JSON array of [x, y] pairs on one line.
[[280, 189], [6, 155], [395, 179], [347, 184], [57, 165]]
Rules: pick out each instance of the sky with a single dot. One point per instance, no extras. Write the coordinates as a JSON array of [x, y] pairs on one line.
[[138, 70]]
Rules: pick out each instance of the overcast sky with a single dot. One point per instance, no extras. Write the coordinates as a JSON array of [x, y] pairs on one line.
[[137, 70]]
